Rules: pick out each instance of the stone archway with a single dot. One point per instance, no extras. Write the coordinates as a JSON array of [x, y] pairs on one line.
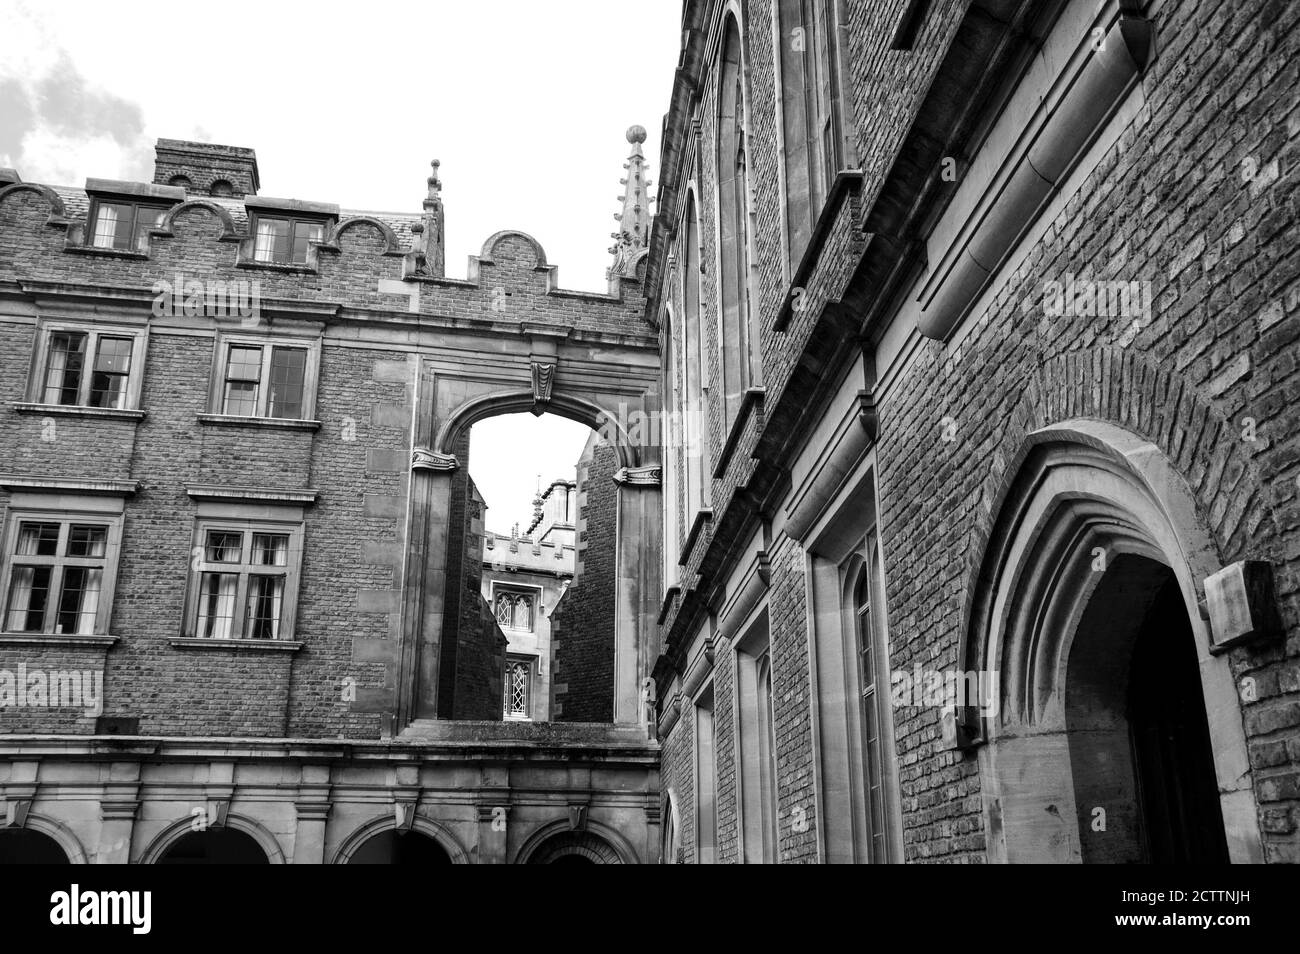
[[240, 840], [574, 847], [1094, 530], [375, 842], [543, 377]]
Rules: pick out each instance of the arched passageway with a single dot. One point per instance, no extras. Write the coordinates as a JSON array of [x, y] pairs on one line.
[[1139, 741], [400, 848], [215, 846], [1112, 734], [23, 846]]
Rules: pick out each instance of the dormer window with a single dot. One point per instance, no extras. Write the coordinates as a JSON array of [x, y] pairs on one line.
[[284, 241], [124, 225]]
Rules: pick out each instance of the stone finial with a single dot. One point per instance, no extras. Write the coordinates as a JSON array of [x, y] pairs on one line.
[[435, 186], [634, 220], [429, 231]]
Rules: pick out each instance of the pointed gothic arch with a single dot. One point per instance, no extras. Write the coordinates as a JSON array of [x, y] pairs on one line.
[[1094, 519]]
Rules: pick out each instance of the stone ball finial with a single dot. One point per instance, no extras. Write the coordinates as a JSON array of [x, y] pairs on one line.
[[636, 134]]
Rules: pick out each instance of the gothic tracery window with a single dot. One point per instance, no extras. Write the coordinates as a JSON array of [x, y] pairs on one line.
[[518, 683], [514, 610]]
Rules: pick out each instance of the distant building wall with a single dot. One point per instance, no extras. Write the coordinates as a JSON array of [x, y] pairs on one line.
[[583, 625]]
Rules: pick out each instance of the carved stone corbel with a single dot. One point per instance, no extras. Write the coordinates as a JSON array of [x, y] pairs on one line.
[[425, 459], [16, 810], [648, 476], [543, 378]]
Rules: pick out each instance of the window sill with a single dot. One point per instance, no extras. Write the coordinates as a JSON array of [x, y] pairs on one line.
[[236, 645], [669, 596], [847, 182], [751, 399], [291, 268], [127, 253], [87, 641], [79, 410], [282, 423], [702, 516]]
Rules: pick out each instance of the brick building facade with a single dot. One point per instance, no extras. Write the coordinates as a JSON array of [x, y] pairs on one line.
[[979, 320], [968, 529], [242, 554]]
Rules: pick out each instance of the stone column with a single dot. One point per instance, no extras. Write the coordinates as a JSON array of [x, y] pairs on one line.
[[118, 808], [425, 585], [313, 807], [637, 579]]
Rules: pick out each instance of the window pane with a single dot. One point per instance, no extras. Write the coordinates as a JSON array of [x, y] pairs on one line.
[[270, 549], [112, 369], [85, 541], [288, 369], [304, 233], [217, 605], [518, 675], [272, 243], [265, 600], [113, 225], [243, 371], [63, 370], [241, 399], [29, 592], [245, 363], [79, 600], [146, 218], [37, 539], [105, 226], [224, 546]]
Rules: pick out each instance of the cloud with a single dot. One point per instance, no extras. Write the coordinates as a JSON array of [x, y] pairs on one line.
[[68, 106], [17, 118], [56, 122]]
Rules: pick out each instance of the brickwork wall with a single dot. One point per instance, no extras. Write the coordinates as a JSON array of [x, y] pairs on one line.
[[582, 626], [1198, 198], [343, 681]]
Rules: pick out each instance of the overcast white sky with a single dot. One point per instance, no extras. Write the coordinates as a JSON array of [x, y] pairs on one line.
[[525, 103]]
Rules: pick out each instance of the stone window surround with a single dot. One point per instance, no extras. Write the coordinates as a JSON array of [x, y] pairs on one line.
[[311, 376], [325, 213], [48, 326], [66, 500], [530, 661], [757, 795], [829, 17], [705, 767], [149, 195], [249, 510], [838, 542], [534, 593]]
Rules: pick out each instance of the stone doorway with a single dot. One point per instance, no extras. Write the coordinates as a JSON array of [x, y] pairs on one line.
[[1139, 743]]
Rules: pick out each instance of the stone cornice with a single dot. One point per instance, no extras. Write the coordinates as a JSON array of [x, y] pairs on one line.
[[70, 485], [250, 495]]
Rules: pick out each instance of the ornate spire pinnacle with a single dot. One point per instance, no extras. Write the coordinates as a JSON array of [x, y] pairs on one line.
[[434, 198], [428, 231], [634, 221]]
